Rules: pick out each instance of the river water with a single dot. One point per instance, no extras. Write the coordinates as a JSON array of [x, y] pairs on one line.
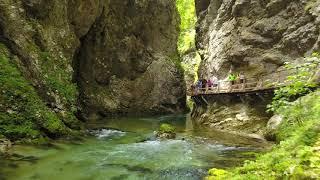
[[125, 148]]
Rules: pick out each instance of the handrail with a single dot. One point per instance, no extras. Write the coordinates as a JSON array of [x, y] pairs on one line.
[[258, 84]]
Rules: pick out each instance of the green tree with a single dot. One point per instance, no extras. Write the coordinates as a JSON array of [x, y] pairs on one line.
[[188, 17]]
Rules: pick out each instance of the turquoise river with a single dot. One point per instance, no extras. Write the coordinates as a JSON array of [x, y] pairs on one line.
[[125, 148]]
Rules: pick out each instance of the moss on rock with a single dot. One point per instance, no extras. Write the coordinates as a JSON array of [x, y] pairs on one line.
[[166, 131], [166, 128], [22, 112]]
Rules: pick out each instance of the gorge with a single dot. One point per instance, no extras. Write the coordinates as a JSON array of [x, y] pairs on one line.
[[92, 80]]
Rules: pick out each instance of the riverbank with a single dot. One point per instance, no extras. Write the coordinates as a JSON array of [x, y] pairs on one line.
[[297, 154]]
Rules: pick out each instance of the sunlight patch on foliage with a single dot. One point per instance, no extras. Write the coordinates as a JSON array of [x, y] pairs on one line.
[[188, 18]]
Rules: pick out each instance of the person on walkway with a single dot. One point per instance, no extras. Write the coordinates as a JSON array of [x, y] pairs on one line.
[[215, 81], [204, 85], [209, 85], [241, 77], [198, 85], [232, 78]]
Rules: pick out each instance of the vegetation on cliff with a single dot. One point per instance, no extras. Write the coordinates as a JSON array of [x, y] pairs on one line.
[[297, 155], [23, 115], [188, 18], [186, 42]]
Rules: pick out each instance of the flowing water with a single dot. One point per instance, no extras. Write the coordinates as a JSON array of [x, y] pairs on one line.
[[126, 149]]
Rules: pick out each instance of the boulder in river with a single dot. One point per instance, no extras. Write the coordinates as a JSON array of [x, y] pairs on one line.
[[166, 131]]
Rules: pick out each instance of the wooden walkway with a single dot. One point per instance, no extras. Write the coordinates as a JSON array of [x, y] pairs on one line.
[[251, 85], [238, 88]]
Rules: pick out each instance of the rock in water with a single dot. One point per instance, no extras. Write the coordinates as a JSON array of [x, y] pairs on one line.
[[166, 131]]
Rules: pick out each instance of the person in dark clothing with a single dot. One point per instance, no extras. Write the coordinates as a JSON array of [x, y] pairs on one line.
[[198, 85], [210, 84], [204, 84]]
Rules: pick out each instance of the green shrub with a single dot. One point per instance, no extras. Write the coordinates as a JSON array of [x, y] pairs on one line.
[[188, 18], [296, 85], [297, 156]]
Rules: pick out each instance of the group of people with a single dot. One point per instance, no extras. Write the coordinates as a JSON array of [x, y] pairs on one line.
[[209, 84]]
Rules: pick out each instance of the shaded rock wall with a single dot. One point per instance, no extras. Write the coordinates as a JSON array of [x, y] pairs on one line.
[[255, 36], [119, 56], [128, 60]]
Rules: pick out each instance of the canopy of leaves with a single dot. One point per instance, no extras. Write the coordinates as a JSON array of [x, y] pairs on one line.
[[187, 13]]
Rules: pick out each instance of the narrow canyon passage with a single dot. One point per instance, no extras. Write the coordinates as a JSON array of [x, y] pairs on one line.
[[101, 89]]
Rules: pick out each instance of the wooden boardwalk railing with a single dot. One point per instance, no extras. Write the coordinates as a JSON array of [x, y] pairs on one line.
[[228, 89], [250, 85]]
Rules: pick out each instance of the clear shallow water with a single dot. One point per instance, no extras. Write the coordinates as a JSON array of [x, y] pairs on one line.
[[126, 149]]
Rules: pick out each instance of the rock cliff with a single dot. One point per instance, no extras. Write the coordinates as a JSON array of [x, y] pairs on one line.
[[128, 60], [96, 57], [253, 36]]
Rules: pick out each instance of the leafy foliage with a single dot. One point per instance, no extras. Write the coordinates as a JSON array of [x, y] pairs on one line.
[[298, 154], [297, 84], [187, 13]]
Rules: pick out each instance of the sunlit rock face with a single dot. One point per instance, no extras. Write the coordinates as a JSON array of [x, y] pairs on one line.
[[255, 36]]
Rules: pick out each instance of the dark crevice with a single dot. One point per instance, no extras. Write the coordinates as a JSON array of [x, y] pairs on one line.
[[76, 63]]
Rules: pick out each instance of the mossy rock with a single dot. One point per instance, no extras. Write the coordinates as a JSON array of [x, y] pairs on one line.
[[216, 174], [166, 131], [167, 128]]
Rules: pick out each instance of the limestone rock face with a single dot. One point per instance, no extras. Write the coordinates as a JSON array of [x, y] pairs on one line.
[[245, 114], [253, 36], [119, 56], [127, 60]]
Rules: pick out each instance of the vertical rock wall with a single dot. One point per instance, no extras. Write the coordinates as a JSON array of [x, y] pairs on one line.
[[118, 56], [254, 36], [128, 61]]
